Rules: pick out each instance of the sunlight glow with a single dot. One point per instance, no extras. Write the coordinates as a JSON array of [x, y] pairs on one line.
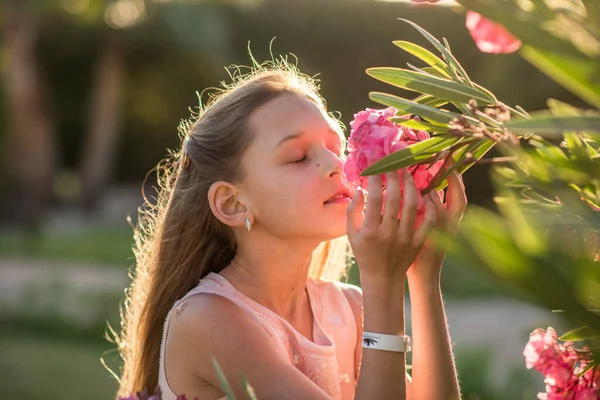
[[125, 13], [75, 7]]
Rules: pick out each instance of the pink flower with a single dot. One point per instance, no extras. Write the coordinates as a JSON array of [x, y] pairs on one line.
[[559, 376], [373, 137], [555, 396], [586, 393], [542, 350], [489, 36], [561, 364]]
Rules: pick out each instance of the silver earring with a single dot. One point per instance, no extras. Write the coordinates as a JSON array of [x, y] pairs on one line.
[[248, 224]]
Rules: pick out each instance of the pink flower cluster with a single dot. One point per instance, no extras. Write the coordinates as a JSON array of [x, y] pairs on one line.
[[561, 364], [372, 137], [489, 36]]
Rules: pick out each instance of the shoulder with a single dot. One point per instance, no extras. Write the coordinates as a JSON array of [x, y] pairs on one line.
[[206, 327], [209, 328], [355, 299], [351, 293], [209, 317]]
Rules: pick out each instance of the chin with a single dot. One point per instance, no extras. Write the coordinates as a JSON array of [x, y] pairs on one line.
[[335, 232]]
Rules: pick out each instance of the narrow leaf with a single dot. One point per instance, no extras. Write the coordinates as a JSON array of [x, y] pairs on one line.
[[223, 381], [411, 155], [420, 125], [424, 55], [583, 333], [430, 101], [576, 75], [544, 122], [436, 43], [428, 84], [430, 113]]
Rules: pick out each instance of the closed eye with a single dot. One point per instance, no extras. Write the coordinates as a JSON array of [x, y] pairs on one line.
[[300, 160]]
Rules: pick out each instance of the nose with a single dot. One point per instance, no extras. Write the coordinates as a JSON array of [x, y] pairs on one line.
[[333, 165]]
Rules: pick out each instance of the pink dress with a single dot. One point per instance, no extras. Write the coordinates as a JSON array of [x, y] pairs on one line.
[[328, 360]]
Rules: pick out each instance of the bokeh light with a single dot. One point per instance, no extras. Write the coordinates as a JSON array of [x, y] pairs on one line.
[[125, 13], [75, 7]]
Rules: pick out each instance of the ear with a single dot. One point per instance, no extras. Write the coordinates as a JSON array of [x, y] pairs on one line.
[[226, 205]]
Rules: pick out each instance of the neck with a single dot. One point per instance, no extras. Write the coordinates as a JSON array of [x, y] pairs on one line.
[[272, 273]]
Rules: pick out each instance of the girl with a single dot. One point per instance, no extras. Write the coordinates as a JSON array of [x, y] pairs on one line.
[[239, 262]]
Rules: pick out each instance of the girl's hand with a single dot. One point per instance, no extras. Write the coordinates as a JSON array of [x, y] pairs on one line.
[[384, 243], [430, 259]]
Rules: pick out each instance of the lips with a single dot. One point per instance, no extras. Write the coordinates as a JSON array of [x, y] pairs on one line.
[[343, 193]]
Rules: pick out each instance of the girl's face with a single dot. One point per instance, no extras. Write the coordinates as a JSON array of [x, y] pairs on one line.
[[293, 170]]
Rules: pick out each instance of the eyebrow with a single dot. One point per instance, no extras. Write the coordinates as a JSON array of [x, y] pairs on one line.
[[298, 135]]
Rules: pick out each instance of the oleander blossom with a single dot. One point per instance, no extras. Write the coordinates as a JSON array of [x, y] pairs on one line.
[[372, 137], [489, 36], [561, 365]]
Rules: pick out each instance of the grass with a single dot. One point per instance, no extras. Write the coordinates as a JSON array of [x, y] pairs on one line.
[[44, 366], [113, 246], [49, 368], [98, 244]]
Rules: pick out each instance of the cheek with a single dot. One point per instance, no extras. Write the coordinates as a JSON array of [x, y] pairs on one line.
[[287, 195]]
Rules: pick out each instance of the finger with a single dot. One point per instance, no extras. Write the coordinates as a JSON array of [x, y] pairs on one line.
[[354, 214], [409, 205], [373, 210], [441, 214], [428, 224], [456, 197], [392, 199]]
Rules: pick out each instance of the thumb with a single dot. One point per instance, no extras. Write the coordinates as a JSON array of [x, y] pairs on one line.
[[354, 214]]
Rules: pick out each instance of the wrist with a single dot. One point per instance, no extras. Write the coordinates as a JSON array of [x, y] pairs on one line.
[[425, 272], [424, 283], [383, 283]]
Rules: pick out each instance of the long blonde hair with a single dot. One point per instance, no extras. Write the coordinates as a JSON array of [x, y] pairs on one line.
[[178, 240]]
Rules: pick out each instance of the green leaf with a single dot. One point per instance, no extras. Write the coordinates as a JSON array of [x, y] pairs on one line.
[[420, 125], [580, 76], [411, 155], [222, 380], [591, 365], [433, 71], [583, 333], [428, 84], [430, 101], [593, 12], [544, 123], [248, 389], [444, 51], [403, 105], [424, 55]]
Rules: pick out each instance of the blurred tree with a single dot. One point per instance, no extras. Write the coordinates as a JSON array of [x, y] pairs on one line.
[[31, 150]]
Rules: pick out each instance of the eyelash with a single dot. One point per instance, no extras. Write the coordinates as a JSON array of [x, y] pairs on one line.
[[300, 160], [304, 158]]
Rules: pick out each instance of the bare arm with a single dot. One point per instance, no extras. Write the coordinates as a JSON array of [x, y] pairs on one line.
[[433, 370], [355, 298], [383, 244], [434, 373]]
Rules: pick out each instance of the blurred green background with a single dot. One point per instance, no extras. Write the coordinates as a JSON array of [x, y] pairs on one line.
[[93, 91]]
